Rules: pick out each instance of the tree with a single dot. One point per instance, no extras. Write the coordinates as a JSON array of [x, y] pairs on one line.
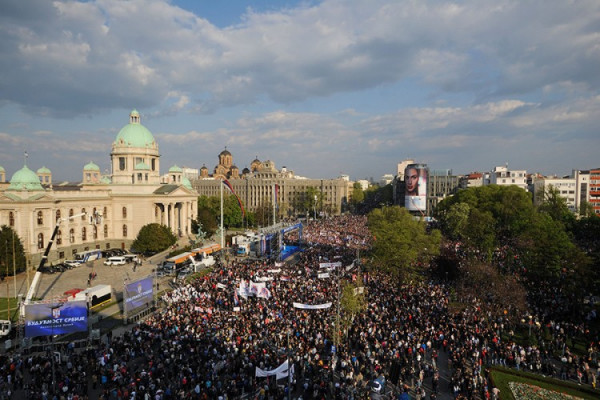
[[208, 220], [12, 253], [358, 195], [402, 245], [353, 301], [555, 206], [154, 238]]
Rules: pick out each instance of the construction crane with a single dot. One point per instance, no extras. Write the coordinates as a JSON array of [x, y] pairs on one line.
[[38, 272]]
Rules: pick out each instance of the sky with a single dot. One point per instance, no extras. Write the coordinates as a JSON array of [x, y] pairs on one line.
[[323, 88]]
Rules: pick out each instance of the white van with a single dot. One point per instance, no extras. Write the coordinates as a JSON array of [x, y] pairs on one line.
[[117, 260]]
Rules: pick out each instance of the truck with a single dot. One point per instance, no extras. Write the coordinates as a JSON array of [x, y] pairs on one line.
[[94, 295], [5, 327]]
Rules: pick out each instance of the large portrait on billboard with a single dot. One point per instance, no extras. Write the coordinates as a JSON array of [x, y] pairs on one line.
[[415, 187]]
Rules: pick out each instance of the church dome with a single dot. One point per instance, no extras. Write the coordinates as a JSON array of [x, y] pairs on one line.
[[225, 153], [186, 183], [175, 168], [1, 168], [91, 167], [204, 168], [43, 170], [25, 179], [142, 165], [135, 134], [105, 180]]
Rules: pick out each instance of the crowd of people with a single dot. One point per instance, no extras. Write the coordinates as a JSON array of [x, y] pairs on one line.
[[210, 336]]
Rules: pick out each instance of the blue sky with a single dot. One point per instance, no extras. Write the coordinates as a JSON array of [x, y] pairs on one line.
[[321, 87]]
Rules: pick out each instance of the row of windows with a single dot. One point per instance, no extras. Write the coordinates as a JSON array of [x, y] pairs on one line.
[[59, 239], [40, 215]]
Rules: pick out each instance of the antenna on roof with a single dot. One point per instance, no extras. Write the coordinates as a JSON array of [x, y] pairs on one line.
[[25, 156]]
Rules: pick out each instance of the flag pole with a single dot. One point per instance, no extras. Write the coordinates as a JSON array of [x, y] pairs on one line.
[[222, 242]]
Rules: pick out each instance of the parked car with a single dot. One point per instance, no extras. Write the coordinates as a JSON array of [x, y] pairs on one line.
[[72, 263], [47, 270], [117, 260]]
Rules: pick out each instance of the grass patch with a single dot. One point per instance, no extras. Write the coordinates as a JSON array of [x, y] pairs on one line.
[[502, 376], [5, 304]]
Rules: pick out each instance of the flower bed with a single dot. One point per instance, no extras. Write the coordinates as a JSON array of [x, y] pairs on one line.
[[524, 391]]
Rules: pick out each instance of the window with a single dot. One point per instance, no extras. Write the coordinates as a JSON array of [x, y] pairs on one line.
[[40, 243], [83, 234], [40, 218], [58, 238], [95, 232], [124, 212], [153, 164], [83, 212], [124, 231], [72, 235], [105, 213], [121, 163], [105, 231], [71, 212], [107, 246], [139, 176], [57, 215], [11, 219], [61, 254]]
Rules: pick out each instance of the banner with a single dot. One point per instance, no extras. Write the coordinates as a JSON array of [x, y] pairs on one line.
[[274, 271], [47, 319], [280, 372], [312, 306], [264, 278], [138, 294], [221, 286], [332, 265], [324, 275]]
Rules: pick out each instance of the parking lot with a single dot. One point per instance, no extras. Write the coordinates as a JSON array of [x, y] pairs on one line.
[[54, 285]]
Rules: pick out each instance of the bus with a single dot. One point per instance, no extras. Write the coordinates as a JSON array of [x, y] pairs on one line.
[[88, 255]]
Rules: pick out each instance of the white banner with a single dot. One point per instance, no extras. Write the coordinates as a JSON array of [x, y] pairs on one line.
[[274, 271], [264, 278], [324, 275], [330, 265], [359, 290], [312, 306], [281, 371], [221, 286]]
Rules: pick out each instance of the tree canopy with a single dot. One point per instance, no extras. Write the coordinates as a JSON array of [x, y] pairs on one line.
[[154, 238], [402, 243], [12, 254]]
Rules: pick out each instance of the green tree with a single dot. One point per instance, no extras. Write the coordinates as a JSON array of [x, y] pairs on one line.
[[402, 244], [358, 195], [208, 220], [154, 237], [555, 206], [11, 260]]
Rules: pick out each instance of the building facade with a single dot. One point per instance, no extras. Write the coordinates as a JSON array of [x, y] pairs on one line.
[[263, 185], [102, 211]]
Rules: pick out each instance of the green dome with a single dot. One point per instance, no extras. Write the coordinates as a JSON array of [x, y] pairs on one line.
[[1, 168], [186, 183], [91, 167], [142, 165], [105, 180], [135, 134], [43, 170], [25, 179], [175, 168]]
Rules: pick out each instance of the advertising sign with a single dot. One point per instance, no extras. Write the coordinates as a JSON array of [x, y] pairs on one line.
[[415, 187], [138, 294], [46, 319]]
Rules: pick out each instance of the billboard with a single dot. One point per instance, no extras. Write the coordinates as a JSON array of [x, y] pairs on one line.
[[138, 294], [415, 187], [46, 319]]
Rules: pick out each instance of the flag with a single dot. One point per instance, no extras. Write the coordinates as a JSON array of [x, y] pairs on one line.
[[228, 186]]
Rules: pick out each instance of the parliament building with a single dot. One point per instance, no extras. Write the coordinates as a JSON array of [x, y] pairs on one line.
[[101, 211]]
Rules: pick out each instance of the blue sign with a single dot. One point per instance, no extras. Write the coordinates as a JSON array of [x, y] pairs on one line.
[[138, 294], [46, 319]]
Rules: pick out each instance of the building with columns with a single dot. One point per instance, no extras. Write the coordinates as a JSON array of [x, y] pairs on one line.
[[115, 206], [256, 187]]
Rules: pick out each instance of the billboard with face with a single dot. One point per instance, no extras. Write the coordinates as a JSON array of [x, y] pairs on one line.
[[45, 319], [415, 187]]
